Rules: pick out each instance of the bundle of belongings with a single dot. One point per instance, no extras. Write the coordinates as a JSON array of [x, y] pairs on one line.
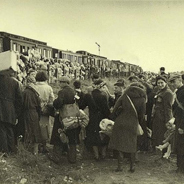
[[106, 126], [79, 118]]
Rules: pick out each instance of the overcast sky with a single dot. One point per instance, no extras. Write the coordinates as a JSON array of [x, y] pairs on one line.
[[147, 33]]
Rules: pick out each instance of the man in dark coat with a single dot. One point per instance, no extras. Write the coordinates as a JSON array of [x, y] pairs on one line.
[[10, 108], [178, 112], [67, 96]]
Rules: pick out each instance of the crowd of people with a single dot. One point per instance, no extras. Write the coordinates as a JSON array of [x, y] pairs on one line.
[[57, 67], [155, 103]]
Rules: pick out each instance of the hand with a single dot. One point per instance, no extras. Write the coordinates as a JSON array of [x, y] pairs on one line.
[[181, 131]]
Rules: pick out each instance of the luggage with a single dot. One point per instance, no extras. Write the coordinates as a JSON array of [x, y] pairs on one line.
[[8, 60]]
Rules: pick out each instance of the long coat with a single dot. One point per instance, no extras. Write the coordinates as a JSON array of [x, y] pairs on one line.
[[67, 96], [10, 99], [97, 103], [162, 114], [31, 113], [179, 121], [124, 133]]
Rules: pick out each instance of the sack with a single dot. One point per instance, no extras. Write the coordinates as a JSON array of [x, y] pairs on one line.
[[70, 122], [69, 110], [48, 110], [139, 130]]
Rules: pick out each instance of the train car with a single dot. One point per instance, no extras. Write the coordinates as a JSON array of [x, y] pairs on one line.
[[66, 54], [22, 44]]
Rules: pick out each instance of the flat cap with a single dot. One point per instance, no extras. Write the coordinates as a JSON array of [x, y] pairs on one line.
[[174, 76]]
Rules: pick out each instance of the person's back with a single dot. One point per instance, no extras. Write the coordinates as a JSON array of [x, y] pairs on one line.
[[10, 108], [10, 99]]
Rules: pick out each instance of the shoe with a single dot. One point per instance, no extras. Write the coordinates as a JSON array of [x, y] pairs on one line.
[[119, 169], [132, 168], [159, 148], [97, 159]]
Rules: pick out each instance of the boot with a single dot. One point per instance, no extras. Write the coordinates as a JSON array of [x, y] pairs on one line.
[[120, 158], [72, 154], [96, 153], [132, 162], [103, 152]]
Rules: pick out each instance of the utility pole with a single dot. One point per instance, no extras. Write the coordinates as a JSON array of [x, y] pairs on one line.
[[98, 47]]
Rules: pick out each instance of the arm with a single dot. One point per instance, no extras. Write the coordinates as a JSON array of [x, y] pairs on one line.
[[59, 101], [167, 104], [117, 108]]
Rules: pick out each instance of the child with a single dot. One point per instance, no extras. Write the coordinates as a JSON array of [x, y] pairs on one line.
[[169, 138]]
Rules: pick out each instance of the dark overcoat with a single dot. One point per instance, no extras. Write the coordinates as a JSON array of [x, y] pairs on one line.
[[97, 103], [10, 99], [179, 121], [67, 96], [162, 114], [124, 134], [31, 111]]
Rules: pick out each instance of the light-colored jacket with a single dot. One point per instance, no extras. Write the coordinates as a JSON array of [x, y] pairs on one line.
[[46, 93]]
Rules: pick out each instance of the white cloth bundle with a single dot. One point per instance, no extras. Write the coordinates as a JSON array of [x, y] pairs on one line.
[[106, 126]]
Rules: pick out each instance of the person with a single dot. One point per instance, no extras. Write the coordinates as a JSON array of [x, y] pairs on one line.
[[178, 112], [168, 142], [126, 118], [10, 109], [79, 93], [162, 71], [47, 97], [66, 97], [119, 87], [97, 102], [162, 111], [31, 114], [133, 78]]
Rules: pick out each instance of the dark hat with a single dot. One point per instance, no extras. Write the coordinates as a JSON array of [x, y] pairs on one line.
[[174, 76], [161, 77], [98, 82], [120, 83], [64, 79]]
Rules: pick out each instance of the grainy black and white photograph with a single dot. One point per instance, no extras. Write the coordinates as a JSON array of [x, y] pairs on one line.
[[92, 92]]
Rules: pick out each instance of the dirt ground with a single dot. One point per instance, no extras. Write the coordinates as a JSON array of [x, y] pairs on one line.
[[25, 168]]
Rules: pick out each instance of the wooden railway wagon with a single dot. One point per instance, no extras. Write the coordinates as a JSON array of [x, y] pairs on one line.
[[22, 44]]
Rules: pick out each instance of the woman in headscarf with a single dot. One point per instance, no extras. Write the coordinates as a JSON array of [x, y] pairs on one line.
[[162, 111], [31, 112], [128, 111]]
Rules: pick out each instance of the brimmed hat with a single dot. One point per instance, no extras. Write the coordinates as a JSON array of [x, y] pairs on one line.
[[174, 76], [64, 79]]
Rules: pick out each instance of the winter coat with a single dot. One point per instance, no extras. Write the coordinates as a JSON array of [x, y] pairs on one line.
[[97, 103], [179, 121], [10, 99], [67, 96], [162, 114], [31, 111], [124, 133]]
